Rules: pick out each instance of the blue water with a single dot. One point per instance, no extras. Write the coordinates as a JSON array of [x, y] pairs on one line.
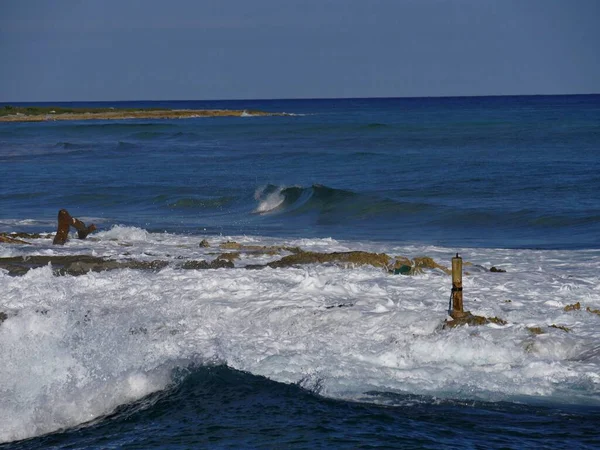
[[220, 408], [498, 171], [507, 172]]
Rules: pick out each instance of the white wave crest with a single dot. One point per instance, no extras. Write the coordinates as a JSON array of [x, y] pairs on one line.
[[272, 200], [124, 233]]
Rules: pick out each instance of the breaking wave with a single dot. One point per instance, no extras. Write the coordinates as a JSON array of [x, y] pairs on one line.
[[326, 200]]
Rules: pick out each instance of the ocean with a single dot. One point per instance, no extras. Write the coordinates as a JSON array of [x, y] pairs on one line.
[[167, 351]]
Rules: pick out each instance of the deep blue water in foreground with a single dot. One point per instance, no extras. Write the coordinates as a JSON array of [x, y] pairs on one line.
[[509, 172], [216, 407]]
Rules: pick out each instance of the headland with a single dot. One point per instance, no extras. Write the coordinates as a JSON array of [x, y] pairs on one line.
[[10, 113]]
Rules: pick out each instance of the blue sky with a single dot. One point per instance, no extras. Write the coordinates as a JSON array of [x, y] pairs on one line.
[[78, 50]]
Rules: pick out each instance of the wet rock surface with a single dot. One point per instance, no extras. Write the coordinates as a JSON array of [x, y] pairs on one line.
[[345, 258], [201, 265], [11, 239], [284, 256], [73, 264], [472, 320]]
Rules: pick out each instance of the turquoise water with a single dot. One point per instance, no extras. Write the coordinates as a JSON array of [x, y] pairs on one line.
[[506, 173]]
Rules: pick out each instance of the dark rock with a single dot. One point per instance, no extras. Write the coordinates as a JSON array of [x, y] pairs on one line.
[[406, 266], [83, 267], [472, 320], [341, 305], [231, 245], [593, 311], [221, 264], [561, 327], [346, 258], [535, 330], [495, 269], [6, 239], [195, 265], [255, 266], [403, 270], [203, 265], [73, 264], [23, 235], [263, 249], [203, 243]]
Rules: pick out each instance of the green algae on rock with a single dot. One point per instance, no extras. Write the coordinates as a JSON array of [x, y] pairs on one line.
[[358, 258], [573, 307]]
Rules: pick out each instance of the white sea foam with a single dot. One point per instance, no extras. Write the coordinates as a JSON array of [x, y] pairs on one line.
[[269, 202], [8, 225], [74, 348]]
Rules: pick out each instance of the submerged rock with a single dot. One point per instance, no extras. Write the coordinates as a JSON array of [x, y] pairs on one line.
[[472, 320], [573, 307], [263, 249], [495, 269], [535, 330], [82, 267], [229, 256], [203, 265], [406, 266], [203, 243], [404, 269], [560, 327], [6, 239], [593, 311], [230, 245], [23, 235], [73, 264], [425, 262]]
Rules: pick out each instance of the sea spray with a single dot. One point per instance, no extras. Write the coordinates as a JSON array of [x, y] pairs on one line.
[[77, 347]]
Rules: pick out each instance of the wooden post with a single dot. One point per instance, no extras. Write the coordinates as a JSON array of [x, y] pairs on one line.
[[457, 294]]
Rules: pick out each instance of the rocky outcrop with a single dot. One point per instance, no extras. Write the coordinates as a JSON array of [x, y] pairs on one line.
[[593, 311], [262, 249], [472, 320], [356, 258], [116, 114], [11, 240], [73, 264], [81, 264], [406, 266], [215, 264]]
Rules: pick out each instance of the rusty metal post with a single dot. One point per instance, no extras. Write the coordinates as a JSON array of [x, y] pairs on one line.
[[65, 221], [457, 288]]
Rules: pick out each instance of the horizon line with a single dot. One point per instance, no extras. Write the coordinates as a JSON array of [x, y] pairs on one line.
[[2, 102]]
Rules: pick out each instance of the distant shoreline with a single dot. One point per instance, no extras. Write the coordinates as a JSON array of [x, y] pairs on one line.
[[49, 114]]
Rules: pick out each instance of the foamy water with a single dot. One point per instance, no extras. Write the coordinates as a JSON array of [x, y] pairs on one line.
[[74, 348]]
